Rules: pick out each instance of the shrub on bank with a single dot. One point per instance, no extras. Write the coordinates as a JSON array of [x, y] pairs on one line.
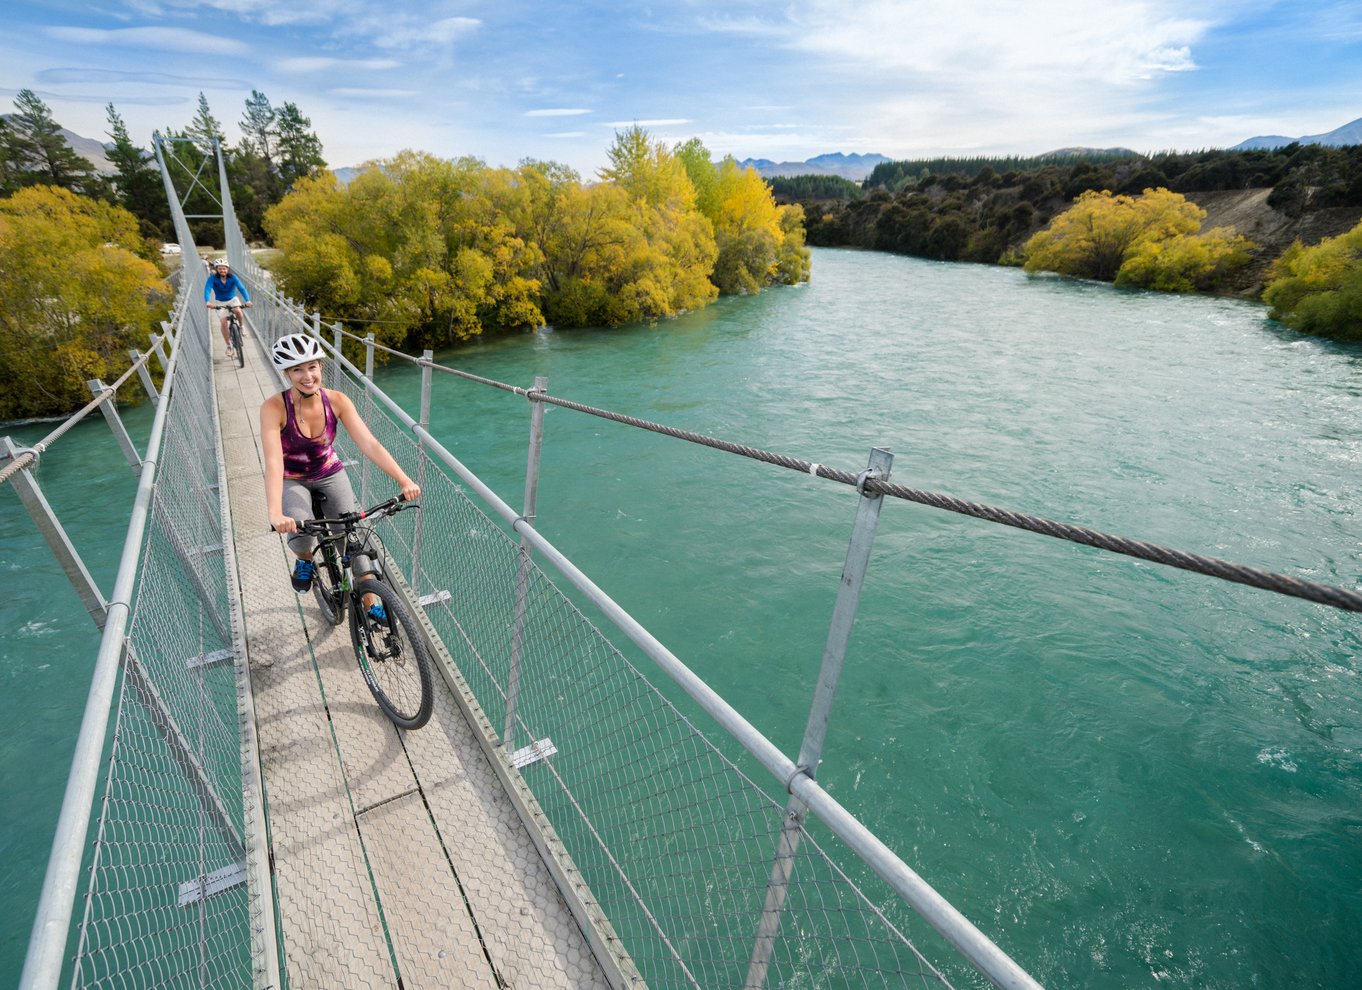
[[1318, 290]]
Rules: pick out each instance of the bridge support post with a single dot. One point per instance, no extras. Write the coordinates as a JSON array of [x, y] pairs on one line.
[[337, 335], [422, 458], [369, 356], [167, 333], [815, 731], [51, 529], [145, 375], [522, 578], [110, 410]]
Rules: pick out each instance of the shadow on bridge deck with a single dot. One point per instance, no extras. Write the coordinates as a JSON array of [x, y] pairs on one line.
[[373, 830]]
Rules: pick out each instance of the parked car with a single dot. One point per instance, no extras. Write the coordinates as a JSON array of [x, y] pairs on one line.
[[170, 248]]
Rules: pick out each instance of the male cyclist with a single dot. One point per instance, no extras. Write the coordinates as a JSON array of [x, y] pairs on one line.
[[223, 286]]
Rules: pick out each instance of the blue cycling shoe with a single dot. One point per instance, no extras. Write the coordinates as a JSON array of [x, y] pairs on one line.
[[302, 576], [377, 612]]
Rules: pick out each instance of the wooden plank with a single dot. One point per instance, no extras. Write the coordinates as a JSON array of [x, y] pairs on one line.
[[376, 766], [529, 932], [433, 937]]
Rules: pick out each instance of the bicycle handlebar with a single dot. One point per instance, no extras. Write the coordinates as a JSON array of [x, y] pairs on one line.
[[347, 521]]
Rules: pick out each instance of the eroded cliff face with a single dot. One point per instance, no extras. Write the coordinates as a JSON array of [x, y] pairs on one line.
[[1247, 211]]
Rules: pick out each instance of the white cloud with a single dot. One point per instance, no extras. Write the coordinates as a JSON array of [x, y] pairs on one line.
[[158, 38], [1127, 40], [71, 75], [658, 122], [929, 78], [410, 32], [366, 93], [557, 112], [93, 125], [322, 63], [272, 13]]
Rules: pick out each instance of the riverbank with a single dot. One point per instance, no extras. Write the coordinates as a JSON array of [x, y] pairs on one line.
[[1250, 214]]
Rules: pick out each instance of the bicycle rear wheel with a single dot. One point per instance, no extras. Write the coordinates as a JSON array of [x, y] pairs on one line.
[[234, 329], [392, 656], [326, 587]]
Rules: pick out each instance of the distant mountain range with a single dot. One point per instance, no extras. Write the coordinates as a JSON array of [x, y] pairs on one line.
[[91, 150], [88, 148], [853, 167], [1350, 133]]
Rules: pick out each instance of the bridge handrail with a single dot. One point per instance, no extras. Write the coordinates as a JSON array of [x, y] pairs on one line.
[[29, 455]]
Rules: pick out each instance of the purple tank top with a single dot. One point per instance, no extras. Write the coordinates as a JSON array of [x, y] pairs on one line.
[[308, 458]]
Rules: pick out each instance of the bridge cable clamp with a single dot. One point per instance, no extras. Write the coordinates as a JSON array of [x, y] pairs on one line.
[[862, 478], [789, 781]]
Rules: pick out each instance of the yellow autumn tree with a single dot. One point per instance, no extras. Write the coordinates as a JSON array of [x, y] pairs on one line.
[[77, 289], [433, 252], [759, 242], [417, 247], [1318, 289], [668, 271], [1185, 262], [1101, 232]]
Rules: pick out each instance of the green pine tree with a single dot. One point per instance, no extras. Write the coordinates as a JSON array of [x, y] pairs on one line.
[[38, 154]]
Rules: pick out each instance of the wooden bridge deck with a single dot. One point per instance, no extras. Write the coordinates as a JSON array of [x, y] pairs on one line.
[[394, 854]]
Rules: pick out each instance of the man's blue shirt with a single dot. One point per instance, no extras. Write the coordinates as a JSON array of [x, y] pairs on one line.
[[224, 289]]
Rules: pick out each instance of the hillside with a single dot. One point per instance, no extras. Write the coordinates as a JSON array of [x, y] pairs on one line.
[[986, 210], [1248, 212]]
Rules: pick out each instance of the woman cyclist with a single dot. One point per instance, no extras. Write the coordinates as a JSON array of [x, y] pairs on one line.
[[297, 431]]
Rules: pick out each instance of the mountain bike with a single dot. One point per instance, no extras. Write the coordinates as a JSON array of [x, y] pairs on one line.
[[391, 654], [233, 329]]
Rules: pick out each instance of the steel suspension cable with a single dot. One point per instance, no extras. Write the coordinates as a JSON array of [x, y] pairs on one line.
[[30, 454], [1282, 584]]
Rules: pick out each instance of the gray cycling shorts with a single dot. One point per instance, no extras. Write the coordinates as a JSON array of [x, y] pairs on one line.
[[340, 497]]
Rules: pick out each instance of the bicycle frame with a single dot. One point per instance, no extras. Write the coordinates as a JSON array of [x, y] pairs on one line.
[[343, 533]]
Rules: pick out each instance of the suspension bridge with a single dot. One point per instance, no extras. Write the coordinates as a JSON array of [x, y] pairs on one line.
[[561, 822]]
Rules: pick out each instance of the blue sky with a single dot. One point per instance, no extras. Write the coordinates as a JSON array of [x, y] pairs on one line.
[[504, 80]]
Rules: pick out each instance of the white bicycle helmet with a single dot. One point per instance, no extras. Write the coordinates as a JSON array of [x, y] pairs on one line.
[[222, 263], [294, 349]]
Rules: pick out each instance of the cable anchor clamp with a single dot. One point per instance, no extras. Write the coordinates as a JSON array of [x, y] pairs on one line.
[[862, 478]]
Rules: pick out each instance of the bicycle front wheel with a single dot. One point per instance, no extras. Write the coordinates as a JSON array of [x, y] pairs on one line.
[[392, 656], [234, 329]]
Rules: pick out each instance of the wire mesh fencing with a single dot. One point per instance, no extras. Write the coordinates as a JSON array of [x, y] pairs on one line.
[[167, 904]]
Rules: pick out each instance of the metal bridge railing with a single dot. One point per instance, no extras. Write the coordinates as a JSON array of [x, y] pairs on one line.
[[703, 861], [625, 777], [177, 889]]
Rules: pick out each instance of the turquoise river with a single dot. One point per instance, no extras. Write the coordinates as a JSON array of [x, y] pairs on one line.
[[1128, 776]]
